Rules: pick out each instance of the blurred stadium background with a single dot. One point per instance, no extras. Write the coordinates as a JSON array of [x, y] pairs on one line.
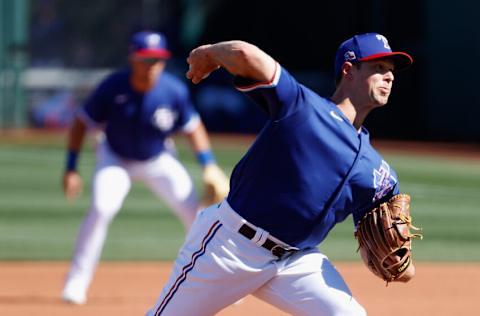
[[52, 52]]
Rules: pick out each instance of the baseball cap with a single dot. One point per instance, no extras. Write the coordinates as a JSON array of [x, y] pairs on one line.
[[149, 44], [369, 46]]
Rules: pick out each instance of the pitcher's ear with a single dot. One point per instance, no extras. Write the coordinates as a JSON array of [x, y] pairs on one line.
[[347, 70]]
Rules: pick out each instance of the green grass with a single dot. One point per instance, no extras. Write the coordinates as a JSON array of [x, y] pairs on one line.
[[445, 204], [37, 223]]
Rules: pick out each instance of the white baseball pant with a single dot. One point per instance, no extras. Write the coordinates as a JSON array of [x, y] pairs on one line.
[[164, 175], [217, 266]]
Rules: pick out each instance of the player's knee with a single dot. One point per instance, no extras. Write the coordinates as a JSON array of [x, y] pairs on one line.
[[360, 311], [353, 309], [350, 308], [104, 212]]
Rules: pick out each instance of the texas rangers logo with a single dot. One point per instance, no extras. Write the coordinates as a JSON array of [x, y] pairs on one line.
[[383, 181], [350, 55], [153, 40], [164, 118], [384, 40]]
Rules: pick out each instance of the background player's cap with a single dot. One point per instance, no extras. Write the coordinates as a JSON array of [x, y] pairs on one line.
[[149, 44], [369, 46]]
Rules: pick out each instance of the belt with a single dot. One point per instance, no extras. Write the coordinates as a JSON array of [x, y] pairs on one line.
[[275, 248]]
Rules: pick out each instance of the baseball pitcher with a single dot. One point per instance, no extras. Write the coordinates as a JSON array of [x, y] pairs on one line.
[[310, 167]]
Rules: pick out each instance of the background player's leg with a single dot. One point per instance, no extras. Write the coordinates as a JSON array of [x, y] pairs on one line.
[[110, 186], [310, 285], [170, 181]]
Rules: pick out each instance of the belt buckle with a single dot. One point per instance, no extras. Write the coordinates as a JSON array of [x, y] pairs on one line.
[[279, 251]]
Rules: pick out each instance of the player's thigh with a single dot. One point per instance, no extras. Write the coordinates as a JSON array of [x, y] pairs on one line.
[[110, 186], [169, 180], [210, 273], [168, 177], [111, 180], [308, 284]]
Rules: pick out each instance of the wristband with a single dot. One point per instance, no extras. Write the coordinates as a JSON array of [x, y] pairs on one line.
[[71, 160], [205, 157]]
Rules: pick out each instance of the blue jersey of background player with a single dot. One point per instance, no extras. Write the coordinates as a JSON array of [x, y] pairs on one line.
[[136, 123], [309, 167]]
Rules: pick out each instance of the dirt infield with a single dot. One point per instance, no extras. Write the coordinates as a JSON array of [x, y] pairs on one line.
[[122, 288]]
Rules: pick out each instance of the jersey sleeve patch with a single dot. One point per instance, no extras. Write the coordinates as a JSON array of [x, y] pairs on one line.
[[245, 86], [383, 180]]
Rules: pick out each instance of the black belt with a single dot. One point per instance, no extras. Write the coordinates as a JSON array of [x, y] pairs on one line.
[[273, 247]]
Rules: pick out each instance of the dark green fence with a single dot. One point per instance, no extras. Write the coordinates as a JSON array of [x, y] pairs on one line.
[[13, 59]]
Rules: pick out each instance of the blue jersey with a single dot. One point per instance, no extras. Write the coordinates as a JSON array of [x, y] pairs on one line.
[[136, 124], [309, 168]]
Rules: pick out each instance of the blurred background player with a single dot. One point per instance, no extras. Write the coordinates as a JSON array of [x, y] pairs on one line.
[[137, 108]]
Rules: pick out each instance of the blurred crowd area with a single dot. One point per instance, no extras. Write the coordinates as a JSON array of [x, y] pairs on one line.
[[94, 34], [70, 45]]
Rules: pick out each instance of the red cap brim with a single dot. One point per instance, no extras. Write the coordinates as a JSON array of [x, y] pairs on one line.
[[155, 53], [400, 59]]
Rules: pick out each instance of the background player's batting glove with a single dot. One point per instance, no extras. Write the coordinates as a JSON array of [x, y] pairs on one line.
[[385, 241], [216, 185]]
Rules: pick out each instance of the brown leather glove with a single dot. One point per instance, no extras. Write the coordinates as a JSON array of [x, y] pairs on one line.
[[385, 240]]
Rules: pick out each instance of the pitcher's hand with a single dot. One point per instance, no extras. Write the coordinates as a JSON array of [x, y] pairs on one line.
[[201, 65]]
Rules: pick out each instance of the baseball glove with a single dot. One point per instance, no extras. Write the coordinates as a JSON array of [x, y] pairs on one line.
[[216, 185], [385, 240]]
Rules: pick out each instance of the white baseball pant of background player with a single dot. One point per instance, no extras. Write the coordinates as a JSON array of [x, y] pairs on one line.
[[111, 182], [234, 266]]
